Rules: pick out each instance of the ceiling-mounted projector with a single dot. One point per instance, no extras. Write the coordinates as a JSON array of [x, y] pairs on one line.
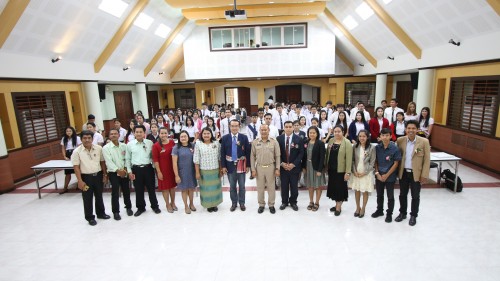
[[235, 14]]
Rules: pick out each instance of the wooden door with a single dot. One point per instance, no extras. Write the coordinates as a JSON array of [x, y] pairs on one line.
[[288, 93], [124, 107], [208, 97], [404, 94], [244, 98], [153, 103]]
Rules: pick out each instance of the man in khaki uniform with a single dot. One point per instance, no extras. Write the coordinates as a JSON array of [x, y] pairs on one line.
[[265, 164]]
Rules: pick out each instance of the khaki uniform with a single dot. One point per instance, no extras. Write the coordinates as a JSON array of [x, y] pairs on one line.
[[265, 160]]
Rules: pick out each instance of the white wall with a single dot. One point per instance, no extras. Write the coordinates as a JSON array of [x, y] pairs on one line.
[[318, 58], [108, 104]]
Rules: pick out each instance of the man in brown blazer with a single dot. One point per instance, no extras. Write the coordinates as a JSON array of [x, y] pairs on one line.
[[413, 170]]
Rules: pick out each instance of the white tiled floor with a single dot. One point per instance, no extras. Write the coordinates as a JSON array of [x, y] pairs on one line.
[[457, 237]]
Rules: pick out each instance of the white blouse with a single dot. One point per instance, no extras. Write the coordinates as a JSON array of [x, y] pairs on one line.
[[69, 145], [176, 127], [411, 117], [191, 130], [400, 128]]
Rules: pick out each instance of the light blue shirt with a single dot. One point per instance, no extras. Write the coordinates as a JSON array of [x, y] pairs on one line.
[[410, 146], [139, 153]]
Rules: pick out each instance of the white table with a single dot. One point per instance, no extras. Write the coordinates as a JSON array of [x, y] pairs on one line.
[[440, 157], [51, 165]]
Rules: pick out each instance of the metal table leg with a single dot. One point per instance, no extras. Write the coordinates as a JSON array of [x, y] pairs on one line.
[[456, 176]]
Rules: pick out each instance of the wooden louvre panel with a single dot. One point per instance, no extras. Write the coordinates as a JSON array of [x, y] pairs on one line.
[[41, 116], [473, 104]]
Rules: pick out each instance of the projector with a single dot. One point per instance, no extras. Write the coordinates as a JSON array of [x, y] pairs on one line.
[[236, 14]]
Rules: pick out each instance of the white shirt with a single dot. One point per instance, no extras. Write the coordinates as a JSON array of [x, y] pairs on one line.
[[380, 123], [411, 117], [122, 132], [250, 134], [355, 110], [326, 125], [206, 112], [311, 116], [280, 123], [359, 127], [273, 132], [97, 139], [205, 125], [176, 127], [426, 129], [69, 145], [191, 130], [400, 128], [224, 126], [388, 112], [410, 146]]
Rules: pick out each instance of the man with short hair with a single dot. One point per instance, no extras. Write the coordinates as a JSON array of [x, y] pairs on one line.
[[253, 128], [235, 162], [391, 111], [97, 138], [314, 114], [413, 171], [260, 119], [360, 107], [114, 153], [122, 132], [224, 123], [291, 151], [90, 171], [273, 131], [140, 170], [383, 104], [90, 119], [388, 158], [328, 108], [335, 115], [265, 163], [279, 118]]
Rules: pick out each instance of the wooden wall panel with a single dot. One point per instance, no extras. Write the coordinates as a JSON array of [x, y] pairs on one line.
[[480, 150], [6, 180], [21, 160]]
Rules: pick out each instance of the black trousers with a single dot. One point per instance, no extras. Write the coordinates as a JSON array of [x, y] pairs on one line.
[[117, 182], [407, 183], [389, 186], [95, 190], [144, 178], [289, 186]]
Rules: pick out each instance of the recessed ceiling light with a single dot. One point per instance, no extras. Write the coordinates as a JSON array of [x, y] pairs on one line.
[[113, 7], [387, 1], [350, 23], [143, 21], [162, 30], [364, 11], [271, 2]]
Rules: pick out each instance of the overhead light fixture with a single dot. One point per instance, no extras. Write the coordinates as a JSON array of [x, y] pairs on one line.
[[113, 7], [235, 14], [360, 64], [162, 30], [454, 43], [143, 21], [391, 58], [126, 68], [350, 22], [364, 11], [56, 59], [161, 73]]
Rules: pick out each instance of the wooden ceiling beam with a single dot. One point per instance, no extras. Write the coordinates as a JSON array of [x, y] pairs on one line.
[[185, 4], [10, 16], [395, 28], [179, 64], [258, 20], [119, 35], [344, 58], [165, 46], [351, 38], [289, 9], [495, 4]]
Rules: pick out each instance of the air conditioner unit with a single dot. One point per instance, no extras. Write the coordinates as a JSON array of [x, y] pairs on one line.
[[236, 14]]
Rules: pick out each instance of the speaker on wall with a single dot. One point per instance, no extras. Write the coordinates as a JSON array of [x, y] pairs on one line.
[[414, 80], [102, 91]]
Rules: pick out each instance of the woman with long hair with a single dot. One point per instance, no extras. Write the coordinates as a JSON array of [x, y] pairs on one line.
[[398, 127], [302, 123], [363, 166], [343, 122], [377, 124], [68, 143], [211, 125], [176, 127], [313, 163], [155, 134], [191, 129], [426, 123], [130, 132], [411, 111], [182, 159], [357, 125], [207, 166], [162, 159], [339, 164]]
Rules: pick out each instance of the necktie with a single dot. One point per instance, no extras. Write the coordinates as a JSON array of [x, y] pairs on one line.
[[392, 118], [281, 122], [261, 122], [234, 150], [287, 148]]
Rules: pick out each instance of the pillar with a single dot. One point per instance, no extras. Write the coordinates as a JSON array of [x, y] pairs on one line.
[[142, 99], [261, 96], [91, 93], [6, 179], [380, 89], [425, 88]]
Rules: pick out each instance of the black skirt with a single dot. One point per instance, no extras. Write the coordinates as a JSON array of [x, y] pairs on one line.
[[69, 171], [337, 187]]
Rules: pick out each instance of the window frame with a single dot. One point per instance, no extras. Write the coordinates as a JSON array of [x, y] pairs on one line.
[[178, 99], [367, 103]]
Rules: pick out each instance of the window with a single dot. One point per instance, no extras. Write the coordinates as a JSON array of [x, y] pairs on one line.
[[41, 117], [185, 98], [364, 92], [473, 104], [258, 37]]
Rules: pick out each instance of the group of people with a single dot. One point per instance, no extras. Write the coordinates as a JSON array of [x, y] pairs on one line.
[[326, 147]]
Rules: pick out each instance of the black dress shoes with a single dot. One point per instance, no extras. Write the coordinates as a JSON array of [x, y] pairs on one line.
[[272, 210], [210, 210], [215, 209], [129, 212], [337, 213], [92, 222], [400, 218], [104, 217], [139, 212], [413, 221], [260, 210], [295, 207], [233, 207], [388, 218], [283, 206], [156, 210], [117, 216], [377, 214], [243, 208]]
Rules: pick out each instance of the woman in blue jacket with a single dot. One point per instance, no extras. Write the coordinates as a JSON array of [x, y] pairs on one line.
[[357, 125]]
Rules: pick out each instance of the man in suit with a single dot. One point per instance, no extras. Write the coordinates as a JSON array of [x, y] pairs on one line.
[[235, 148], [292, 151], [413, 171]]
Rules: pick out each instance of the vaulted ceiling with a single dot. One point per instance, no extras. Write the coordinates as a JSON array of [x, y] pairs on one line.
[[367, 31]]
